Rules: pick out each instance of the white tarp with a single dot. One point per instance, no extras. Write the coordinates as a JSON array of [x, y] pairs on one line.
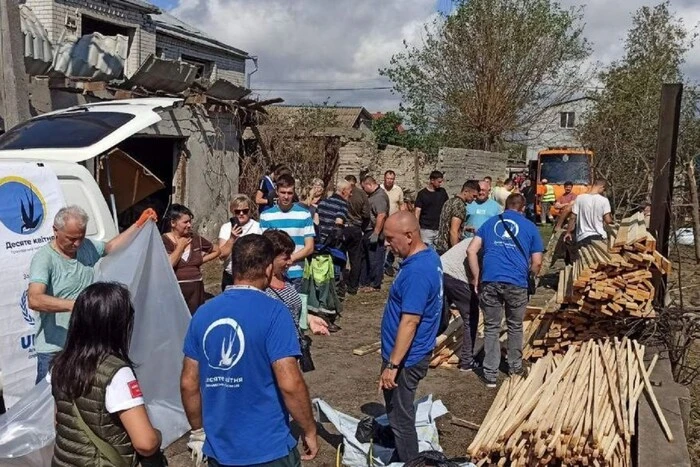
[[31, 197], [356, 453], [156, 347]]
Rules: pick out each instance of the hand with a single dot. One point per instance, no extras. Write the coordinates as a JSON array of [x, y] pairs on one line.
[[318, 326], [567, 237], [387, 380], [475, 284], [195, 444], [236, 231], [145, 216], [310, 446], [374, 238], [184, 242]]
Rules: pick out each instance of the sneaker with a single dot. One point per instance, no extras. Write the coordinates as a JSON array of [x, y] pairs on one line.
[[389, 271], [488, 382], [518, 372], [332, 327], [470, 368]]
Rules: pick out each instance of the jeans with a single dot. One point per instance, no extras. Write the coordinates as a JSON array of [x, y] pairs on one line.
[[373, 265], [428, 236], [290, 460], [467, 302], [43, 363], [493, 297], [353, 245], [400, 409], [389, 263]]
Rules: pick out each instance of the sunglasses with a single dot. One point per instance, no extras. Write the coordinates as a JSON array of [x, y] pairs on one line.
[[241, 211]]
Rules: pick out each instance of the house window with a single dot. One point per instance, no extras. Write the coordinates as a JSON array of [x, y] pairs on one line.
[[204, 67], [567, 119], [90, 25]]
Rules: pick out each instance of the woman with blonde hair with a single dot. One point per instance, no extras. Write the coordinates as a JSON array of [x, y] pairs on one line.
[[312, 195], [239, 225]]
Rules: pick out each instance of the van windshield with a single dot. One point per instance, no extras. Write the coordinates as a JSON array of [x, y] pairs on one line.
[[65, 131], [560, 168]]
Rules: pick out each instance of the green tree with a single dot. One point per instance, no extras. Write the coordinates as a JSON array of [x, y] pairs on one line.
[[622, 125], [488, 71], [386, 129]]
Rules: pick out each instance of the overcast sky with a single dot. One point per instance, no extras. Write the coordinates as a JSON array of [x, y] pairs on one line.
[[309, 48]]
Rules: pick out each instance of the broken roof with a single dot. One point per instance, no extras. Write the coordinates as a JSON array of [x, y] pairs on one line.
[[141, 5], [170, 25], [347, 117]]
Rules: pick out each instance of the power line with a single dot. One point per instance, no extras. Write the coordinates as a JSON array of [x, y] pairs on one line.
[[373, 88]]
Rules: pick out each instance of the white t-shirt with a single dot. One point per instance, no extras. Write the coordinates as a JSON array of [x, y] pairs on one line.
[[395, 198], [453, 261], [123, 392], [251, 227], [500, 195], [590, 210]]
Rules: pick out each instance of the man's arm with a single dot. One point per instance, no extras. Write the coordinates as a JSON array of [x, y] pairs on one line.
[[260, 198], [570, 227], [379, 225], [455, 230], [306, 251], [296, 398], [473, 260], [416, 211], [189, 392], [38, 300], [608, 219], [404, 337], [121, 239], [535, 263]]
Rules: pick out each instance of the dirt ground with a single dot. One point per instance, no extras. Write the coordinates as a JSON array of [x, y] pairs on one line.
[[350, 383]]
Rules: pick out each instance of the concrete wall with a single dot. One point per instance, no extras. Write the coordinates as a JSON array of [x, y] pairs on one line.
[[459, 165], [228, 67], [548, 133]]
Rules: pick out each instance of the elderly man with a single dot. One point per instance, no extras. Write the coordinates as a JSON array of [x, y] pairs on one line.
[[481, 209], [373, 241], [331, 215], [241, 352], [409, 327], [59, 271], [512, 250]]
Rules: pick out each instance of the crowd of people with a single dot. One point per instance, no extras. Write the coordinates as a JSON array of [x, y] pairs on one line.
[[283, 275]]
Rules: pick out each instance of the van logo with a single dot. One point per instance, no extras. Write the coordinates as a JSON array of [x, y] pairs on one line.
[[23, 208]]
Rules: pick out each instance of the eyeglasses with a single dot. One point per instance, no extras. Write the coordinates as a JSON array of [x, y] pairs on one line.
[[241, 211]]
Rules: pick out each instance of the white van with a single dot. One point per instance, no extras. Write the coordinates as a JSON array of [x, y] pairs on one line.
[[68, 140]]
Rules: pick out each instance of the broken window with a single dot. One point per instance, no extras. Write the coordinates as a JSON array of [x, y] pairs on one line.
[[204, 67], [90, 25]]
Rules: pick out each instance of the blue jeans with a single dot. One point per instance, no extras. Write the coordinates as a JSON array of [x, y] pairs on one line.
[[373, 265], [43, 362]]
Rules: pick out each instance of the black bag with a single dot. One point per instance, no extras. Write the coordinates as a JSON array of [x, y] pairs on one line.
[[531, 280], [306, 362]]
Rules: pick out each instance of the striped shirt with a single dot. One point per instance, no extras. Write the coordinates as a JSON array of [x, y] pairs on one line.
[[289, 296], [330, 209], [297, 223]]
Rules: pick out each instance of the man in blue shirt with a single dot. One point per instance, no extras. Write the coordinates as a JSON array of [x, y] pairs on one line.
[[512, 249], [409, 327], [240, 377], [480, 210]]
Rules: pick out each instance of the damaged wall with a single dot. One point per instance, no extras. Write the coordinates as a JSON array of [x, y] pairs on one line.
[[460, 165]]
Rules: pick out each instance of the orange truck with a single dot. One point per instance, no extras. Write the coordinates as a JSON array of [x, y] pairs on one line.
[[559, 165]]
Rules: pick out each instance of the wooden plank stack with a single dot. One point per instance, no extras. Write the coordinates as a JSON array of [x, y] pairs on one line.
[[572, 409], [608, 283], [447, 343]]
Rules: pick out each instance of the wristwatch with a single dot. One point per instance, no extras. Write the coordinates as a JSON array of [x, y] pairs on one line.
[[391, 366]]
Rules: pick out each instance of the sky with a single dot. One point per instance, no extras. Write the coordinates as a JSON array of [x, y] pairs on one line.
[[330, 51]]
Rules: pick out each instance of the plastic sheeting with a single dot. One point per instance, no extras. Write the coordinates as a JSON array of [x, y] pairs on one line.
[[355, 453], [27, 429]]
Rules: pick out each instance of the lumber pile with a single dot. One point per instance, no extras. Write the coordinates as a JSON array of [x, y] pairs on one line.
[[448, 344], [610, 282], [572, 409]]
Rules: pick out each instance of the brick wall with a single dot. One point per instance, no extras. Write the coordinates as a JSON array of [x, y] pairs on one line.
[[226, 66]]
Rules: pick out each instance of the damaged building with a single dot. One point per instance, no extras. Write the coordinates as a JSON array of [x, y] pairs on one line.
[[83, 51]]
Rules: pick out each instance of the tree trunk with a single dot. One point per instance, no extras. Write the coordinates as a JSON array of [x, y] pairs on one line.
[[695, 207]]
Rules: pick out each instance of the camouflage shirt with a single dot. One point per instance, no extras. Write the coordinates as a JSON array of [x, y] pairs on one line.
[[455, 207]]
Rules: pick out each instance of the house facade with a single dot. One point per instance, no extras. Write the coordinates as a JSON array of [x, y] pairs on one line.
[[557, 127], [145, 29]]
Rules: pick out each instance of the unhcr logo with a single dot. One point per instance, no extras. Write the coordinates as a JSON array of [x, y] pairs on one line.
[[23, 208]]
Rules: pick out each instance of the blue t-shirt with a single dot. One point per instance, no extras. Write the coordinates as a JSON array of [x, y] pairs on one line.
[[503, 261], [235, 338], [477, 214], [417, 290]]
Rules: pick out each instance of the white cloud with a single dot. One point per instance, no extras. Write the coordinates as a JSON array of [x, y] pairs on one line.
[[316, 43], [342, 43]]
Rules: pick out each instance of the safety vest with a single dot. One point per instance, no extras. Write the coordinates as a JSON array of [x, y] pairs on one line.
[[549, 196]]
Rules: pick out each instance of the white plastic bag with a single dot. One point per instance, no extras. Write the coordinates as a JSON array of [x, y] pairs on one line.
[[162, 317]]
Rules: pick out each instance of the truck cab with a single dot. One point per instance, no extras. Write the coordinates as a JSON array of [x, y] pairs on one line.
[[560, 165]]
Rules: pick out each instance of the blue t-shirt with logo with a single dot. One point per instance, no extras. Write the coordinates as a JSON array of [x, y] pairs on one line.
[[235, 338], [503, 261], [417, 290], [477, 214]]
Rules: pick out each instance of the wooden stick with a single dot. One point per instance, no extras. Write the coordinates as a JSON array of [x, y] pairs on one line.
[[652, 396]]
